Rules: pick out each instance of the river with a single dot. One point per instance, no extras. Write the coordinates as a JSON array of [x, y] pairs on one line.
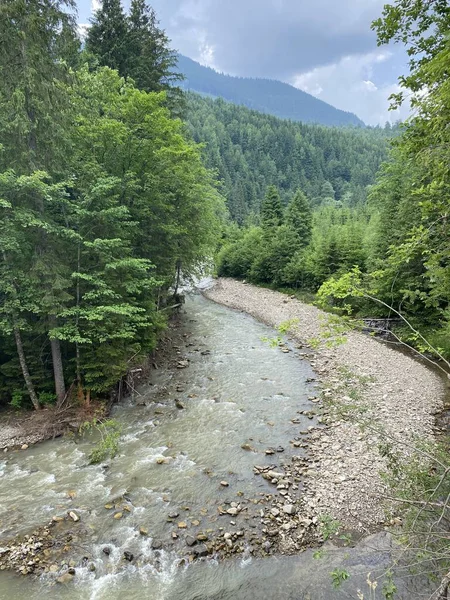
[[237, 390]]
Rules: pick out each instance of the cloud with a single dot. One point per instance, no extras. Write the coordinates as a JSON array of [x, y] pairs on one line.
[[349, 84], [270, 38], [325, 47]]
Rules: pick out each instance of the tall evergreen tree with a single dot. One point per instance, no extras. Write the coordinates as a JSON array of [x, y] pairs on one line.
[[299, 217], [271, 209], [152, 63], [108, 37]]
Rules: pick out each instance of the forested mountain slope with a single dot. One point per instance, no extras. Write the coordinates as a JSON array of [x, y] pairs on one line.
[[265, 95], [251, 151]]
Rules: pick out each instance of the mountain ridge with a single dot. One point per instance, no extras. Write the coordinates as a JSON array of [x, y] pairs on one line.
[[268, 96]]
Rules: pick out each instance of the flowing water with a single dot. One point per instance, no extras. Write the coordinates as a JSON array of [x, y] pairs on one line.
[[237, 390]]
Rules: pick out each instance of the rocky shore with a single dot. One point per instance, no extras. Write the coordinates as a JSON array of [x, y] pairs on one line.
[[370, 395]]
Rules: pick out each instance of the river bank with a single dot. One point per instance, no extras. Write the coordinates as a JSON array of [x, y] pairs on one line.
[[395, 397]]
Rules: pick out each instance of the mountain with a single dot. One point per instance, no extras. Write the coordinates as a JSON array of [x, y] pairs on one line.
[[250, 150], [264, 95]]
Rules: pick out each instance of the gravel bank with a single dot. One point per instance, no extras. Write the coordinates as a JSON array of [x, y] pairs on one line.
[[395, 394]]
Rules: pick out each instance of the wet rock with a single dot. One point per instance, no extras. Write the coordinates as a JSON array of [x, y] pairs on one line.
[[201, 550], [91, 567], [280, 449], [66, 578], [143, 530], [73, 515], [224, 483], [118, 515], [179, 405], [182, 525], [24, 447], [182, 364], [201, 537], [57, 519], [109, 506], [173, 515], [233, 511], [246, 447], [190, 540], [157, 545], [270, 451], [128, 556], [106, 550]]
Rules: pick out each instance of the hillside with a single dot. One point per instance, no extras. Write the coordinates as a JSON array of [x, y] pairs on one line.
[[265, 95], [250, 151]]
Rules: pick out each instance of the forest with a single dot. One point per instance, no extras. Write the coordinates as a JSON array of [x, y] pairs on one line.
[[388, 253], [250, 151], [103, 199]]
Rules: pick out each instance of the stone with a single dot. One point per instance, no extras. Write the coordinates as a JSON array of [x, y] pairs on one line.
[[246, 447], [179, 405], [74, 516], [233, 511], [57, 519], [201, 550], [64, 579], [143, 530], [109, 506], [201, 537], [106, 550], [173, 515], [224, 483], [275, 512], [190, 540], [118, 515], [182, 525], [24, 447], [227, 536], [157, 545], [53, 568], [289, 509], [195, 522], [128, 556]]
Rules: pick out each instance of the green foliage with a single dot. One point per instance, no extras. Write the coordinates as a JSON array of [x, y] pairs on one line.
[[103, 200], [108, 445], [329, 527], [251, 151], [338, 576]]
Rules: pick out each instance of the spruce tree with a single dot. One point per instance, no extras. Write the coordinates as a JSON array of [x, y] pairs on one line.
[[271, 209], [152, 62], [299, 217], [108, 37]]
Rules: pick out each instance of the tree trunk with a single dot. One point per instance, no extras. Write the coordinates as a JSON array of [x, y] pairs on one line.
[[26, 373], [60, 386]]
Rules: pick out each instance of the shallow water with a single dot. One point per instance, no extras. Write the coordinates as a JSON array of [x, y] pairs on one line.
[[237, 389]]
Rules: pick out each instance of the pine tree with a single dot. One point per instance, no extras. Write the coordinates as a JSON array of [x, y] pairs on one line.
[[299, 217], [152, 62], [108, 37], [271, 209]]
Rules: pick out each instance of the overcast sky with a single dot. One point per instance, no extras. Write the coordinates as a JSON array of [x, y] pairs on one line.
[[325, 47]]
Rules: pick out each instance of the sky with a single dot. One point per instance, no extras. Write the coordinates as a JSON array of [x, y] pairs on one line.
[[324, 47]]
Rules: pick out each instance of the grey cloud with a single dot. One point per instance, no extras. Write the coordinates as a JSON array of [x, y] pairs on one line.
[[270, 38]]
